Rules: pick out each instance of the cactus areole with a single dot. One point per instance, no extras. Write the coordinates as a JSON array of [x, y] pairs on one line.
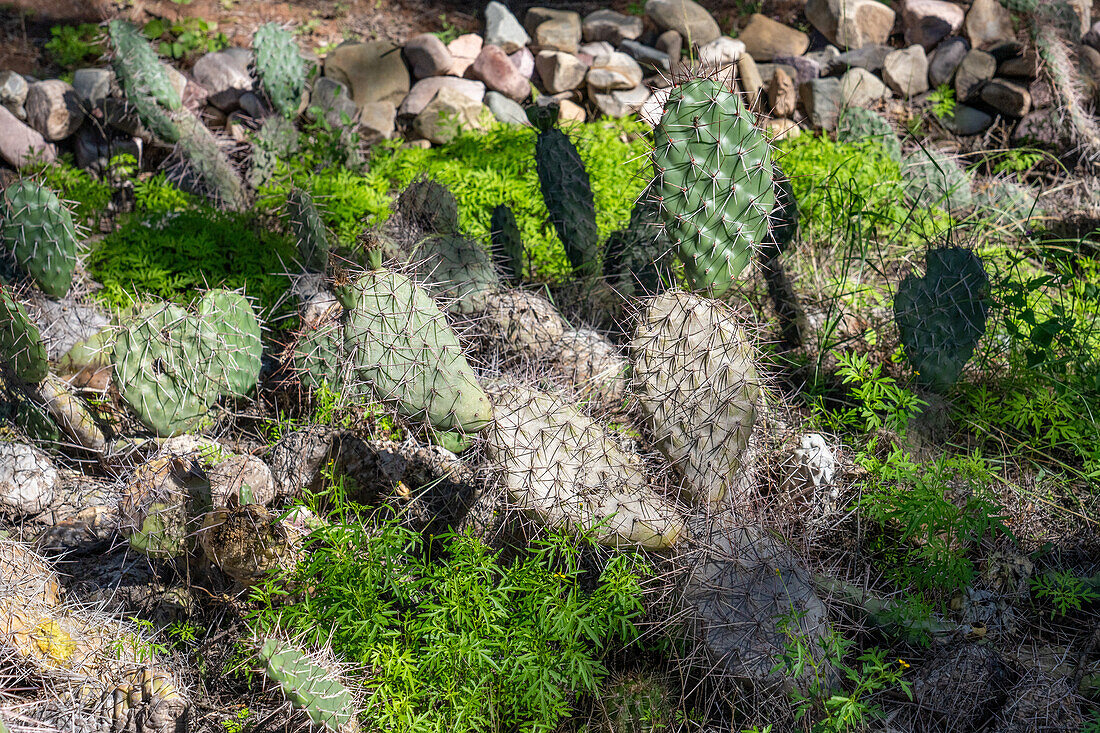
[[713, 181]]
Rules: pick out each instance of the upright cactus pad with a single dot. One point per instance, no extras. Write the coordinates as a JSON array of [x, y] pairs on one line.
[[39, 229], [280, 67], [232, 326], [713, 179], [862, 125], [429, 204], [637, 260], [508, 252], [220, 180], [312, 235], [932, 179], [144, 80], [696, 381], [275, 142], [456, 270], [567, 190], [21, 345], [310, 687], [941, 316]]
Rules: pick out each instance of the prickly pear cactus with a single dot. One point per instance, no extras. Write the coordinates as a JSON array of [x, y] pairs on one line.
[[696, 381], [430, 204], [275, 143], [21, 344], [1008, 205], [232, 327], [220, 181], [560, 465], [637, 260], [320, 356], [144, 80], [508, 252], [566, 189], [934, 180], [312, 235], [39, 229], [860, 125], [635, 703], [247, 543], [310, 687], [713, 179], [456, 271], [280, 67], [784, 220], [941, 316]]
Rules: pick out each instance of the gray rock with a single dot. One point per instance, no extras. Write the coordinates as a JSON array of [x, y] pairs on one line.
[[427, 56], [906, 71], [825, 58], [53, 109], [1091, 38], [861, 88], [608, 25], [968, 120], [976, 69], [767, 71], [616, 71], [64, 322], [13, 92], [505, 110], [553, 30], [620, 103], [333, 100], [671, 43], [647, 57], [503, 29], [927, 22], [765, 38], [1089, 59], [92, 86], [225, 76], [720, 53], [19, 144], [688, 18], [91, 149], [870, 57], [560, 72], [423, 91], [242, 479], [377, 120], [805, 68], [821, 99], [372, 71], [251, 104], [28, 479], [496, 70], [851, 23], [945, 60], [1007, 97], [296, 459], [1043, 127], [448, 113], [988, 24], [594, 49]]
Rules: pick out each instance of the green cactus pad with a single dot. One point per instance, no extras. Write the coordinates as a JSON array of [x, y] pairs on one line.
[[144, 80], [457, 271], [507, 251], [309, 230], [862, 125], [234, 330], [320, 356], [280, 67], [637, 260], [220, 179], [429, 204], [932, 179], [310, 687], [713, 179], [39, 229], [275, 142], [20, 342]]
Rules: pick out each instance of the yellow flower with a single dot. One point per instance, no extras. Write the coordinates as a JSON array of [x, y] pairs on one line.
[[903, 663]]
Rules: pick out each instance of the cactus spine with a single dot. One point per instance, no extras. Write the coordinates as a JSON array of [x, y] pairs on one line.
[[20, 342], [280, 67], [39, 229], [713, 179], [309, 230], [309, 686]]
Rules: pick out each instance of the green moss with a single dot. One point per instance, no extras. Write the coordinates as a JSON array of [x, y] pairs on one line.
[[172, 256]]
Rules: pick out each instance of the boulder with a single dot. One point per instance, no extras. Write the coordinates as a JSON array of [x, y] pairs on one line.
[[28, 479], [608, 25], [620, 102], [927, 22], [495, 69], [851, 23], [765, 39], [524, 61], [427, 56], [968, 120], [1023, 66], [751, 82], [53, 109], [503, 29], [464, 50], [782, 94], [688, 18], [425, 89], [569, 111], [945, 60], [13, 92], [647, 57], [448, 113], [505, 110], [1007, 97], [821, 99], [553, 30], [988, 24], [93, 86], [377, 120], [225, 76], [906, 71], [331, 98], [870, 57], [861, 88], [671, 43], [612, 72], [720, 53], [373, 71], [560, 72], [976, 69]]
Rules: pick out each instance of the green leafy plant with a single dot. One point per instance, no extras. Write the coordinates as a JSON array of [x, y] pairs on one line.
[[1064, 591], [72, 46], [449, 32], [943, 103], [879, 402], [185, 37], [1018, 160], [238, 722], [87, 196]]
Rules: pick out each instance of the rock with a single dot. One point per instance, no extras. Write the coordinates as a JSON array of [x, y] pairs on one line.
[[505, 110], [615, 71], [53, 109], [332, 99], [19, 144], [425, 89], [671, 43], [177, 80], [569, 111], [91, 149], [781, 128], [805, 68], [765, 39], [594, 49], [720, 53], [647, 57], [225, 76], [1024, 66], [870, 57], [254, 107], [1091, 38], [503, 29], [553, 30], [373, 71], [988, 24], [1042, 127], [825, 59], [751, 82], [821, 100], [927, 22], [296, 459], [27, 479], [851, 23], [1007, 97], [1089, 59], [610, 26], [495, 69], [654, 107], [808, 472], [448, 113], [62, 323], [945, 60], [377, 120], [560, 72], [464, 50], [427, 56], [686, 17], [861, 88], [782, 94], [620, 103], [976, 69], [906, 71], [13, 92], [967, 120], [524, 61], [92, 87], [241, 480]]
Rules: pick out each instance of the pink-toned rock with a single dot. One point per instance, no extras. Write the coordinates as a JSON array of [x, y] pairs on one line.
[[427, 56], [464, 50], [927, 22], [19, 144], [570, 111], [524, 61], [495, 69]]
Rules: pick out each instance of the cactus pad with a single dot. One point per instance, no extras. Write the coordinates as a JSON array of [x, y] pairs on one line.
[[860, 125], [280, 67], [934, 180], [309, 686], [508, 252], [20, 342], [309, 230], [39, 229], [231, 325]]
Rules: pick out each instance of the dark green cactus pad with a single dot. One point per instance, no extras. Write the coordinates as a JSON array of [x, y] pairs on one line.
[[234, 330], [431, 205], [638, 259], [941, 317], [315, 690], [309, 230], [784, 219], [858, 125], [144, 80], [20, 342], [39, 229], [457, 271], [275, 142], [507, 250], [713, 179], [567, 192], [280, 67], [320, 357], [934, 180]]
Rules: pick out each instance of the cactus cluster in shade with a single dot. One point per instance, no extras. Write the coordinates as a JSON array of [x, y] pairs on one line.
[[941, 316], [638, 258], [21, 344], [280, 68], [932, 179], [507, 243], [313, 238], [713, 181], [309, 686], [39, 230], [857, 124]]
